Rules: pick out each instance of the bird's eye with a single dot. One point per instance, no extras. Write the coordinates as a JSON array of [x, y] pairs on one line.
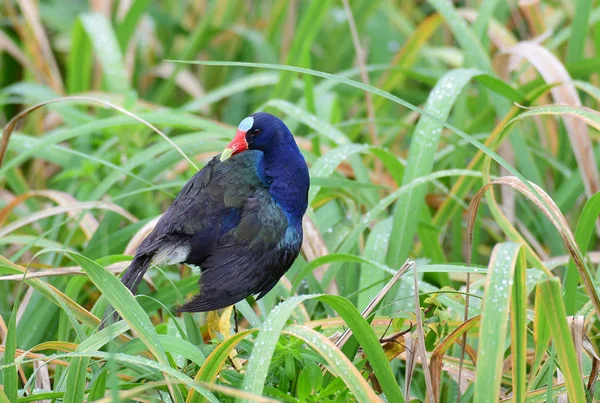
[[254, 132]]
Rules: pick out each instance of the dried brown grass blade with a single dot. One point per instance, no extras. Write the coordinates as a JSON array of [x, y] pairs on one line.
[[88, 223], [532, 11], [42, 378], [589, 348], [139, 236], [501, 37], [68, 209], [437, 355], [410, 344], [364, 75], [577, 326], [553, 71], [61, 271], [550, 210], [3, 330], [421, 337], [8, 45], [378, 298], [30, 12], [313, 246]]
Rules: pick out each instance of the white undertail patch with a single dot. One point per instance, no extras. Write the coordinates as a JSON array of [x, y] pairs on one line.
[[171, 254]]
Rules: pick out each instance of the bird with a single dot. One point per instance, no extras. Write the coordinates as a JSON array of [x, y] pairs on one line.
[[239, 218]]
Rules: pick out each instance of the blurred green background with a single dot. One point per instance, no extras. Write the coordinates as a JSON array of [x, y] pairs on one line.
[[406, 112]]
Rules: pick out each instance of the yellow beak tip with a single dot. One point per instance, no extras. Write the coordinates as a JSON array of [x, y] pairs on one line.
[[226, 154]]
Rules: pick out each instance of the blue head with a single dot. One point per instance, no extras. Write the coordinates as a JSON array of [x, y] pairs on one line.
[[282, 162]]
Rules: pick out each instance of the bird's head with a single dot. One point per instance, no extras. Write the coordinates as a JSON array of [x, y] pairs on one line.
[[260, 131]]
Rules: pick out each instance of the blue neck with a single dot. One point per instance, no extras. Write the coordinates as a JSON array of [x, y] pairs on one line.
[[286, 170]]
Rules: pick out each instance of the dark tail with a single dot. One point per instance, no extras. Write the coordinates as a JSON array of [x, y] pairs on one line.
[[135, 272], [210, 301], [131, 279]]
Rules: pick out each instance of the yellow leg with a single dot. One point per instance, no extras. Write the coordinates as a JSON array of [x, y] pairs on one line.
[[222, 324]]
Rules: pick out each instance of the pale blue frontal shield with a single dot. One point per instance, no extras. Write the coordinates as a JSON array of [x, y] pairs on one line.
[[246, 124]]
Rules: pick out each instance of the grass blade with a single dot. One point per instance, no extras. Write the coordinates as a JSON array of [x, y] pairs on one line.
[[518, 329], [107, 49], [124, 303], [556, 316], [423, 146], [583, 236], [264, 347], [494, 321], [338, 362], [553, 71]]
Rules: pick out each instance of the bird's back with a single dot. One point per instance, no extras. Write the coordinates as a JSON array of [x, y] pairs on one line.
[[226, 221]]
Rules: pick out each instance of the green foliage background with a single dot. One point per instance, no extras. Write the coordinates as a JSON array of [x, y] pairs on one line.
[[462, 135]]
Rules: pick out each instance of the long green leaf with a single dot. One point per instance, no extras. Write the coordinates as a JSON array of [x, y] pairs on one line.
[[494, 321], [107, 49], [124, 303], [420, 159], [267, 339], [583, 235], [518, 328], [556, 316], [338, 362]]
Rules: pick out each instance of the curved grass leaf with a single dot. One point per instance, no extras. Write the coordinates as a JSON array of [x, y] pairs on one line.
[[209, 371], [124, 303], [170, 373], [10, 127], [549, 292], [265, 343], [464, 35], [338, 362], [589, 116], [551, 211], [485, 149], [420, 160], [583, 235]]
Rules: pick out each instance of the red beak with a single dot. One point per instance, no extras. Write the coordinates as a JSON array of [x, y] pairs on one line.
[[237, 145]]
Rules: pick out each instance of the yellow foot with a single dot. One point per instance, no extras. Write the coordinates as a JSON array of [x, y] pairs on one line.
[[222, 324]]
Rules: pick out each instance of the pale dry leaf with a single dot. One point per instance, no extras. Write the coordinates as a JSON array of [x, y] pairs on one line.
[[184, 79], [421, 345], [24, 302], [88, 223], [42, 378], [66, 209], [313, 246], [553, 71], [30, 12], [589, 348], [62, 271], [547, 206], [577, 326], [139, 236], [501, 37]]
